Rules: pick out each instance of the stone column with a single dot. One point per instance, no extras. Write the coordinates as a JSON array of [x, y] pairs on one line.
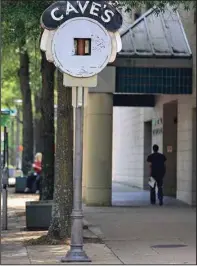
[[98, 150]]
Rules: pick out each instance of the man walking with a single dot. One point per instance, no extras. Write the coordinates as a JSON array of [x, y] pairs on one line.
[[157, 161]]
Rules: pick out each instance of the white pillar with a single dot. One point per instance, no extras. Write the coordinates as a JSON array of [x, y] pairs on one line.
[[98, 150]]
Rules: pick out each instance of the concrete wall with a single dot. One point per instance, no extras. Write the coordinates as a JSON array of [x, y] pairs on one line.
[[128, 145], [128, 127], [128, 140]]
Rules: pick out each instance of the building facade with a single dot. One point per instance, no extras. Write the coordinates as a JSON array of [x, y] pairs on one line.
[[171, 124], [148, 96]]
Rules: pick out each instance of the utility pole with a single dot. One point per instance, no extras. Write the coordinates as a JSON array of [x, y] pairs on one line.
[[17, 138]]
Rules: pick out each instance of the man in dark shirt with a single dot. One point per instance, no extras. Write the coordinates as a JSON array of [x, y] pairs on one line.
[[157, 161]]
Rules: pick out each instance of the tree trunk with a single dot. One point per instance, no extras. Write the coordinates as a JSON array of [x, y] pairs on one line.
[[38, 145], [60, 227], [27, 156], [47, 135]]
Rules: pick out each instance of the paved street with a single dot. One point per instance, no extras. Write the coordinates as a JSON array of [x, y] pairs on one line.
[[135, 234]]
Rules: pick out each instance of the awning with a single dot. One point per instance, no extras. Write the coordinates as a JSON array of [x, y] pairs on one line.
[[155, 35]]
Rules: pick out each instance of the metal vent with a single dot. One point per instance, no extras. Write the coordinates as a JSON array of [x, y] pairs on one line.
[[169, 246]]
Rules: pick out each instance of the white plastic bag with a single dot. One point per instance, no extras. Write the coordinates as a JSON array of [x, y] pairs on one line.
[[151, 182]]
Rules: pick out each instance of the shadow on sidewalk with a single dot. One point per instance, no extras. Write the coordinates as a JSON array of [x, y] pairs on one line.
[[18, 246], [128, 196]]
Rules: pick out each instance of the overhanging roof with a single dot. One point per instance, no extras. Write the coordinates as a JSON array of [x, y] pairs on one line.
[[155, 35]]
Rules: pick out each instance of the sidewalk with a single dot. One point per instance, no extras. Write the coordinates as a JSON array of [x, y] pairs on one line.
[[144, 234], [130, 234], [14, 250]]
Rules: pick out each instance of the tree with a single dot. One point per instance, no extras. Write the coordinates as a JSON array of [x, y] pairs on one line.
[[27, 14], [36, 84], [63, 194], [15, 31], [22, 81], [60, 228], [24, 77], [9, 83], [38, 145], [47, 129], [10, 91]]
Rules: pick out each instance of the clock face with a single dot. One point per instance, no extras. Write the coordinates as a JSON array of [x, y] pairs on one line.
[[96, 55]]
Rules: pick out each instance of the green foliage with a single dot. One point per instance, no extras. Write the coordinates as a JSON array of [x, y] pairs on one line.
[[10, 64], [20, 21], [14, 11], [9, 82], [29, 11], [158, 5], [5, 120]]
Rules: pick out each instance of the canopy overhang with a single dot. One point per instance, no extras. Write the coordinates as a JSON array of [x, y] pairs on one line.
[[156, 36]]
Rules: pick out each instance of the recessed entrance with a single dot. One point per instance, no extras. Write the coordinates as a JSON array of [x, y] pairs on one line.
[[132, 143], [170, 147]]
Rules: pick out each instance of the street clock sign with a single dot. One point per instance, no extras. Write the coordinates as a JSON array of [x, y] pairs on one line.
[[68, 23], [101, 11], [98, 47], [80, 38]]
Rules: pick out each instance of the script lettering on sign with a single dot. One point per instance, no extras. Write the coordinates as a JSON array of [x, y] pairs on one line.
[[101, 11]]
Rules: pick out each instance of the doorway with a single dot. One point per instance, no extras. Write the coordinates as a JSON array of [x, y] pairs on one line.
[[194, 159], [147, 150], [170, 147]]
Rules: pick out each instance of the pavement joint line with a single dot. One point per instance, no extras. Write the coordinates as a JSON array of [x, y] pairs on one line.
[[93, 228], [106, 244], [17, 219], [26, 247], [122, 262]]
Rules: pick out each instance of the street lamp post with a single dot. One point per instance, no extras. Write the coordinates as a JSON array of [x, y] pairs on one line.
[[76, 252], [5, 182], [17, 140]]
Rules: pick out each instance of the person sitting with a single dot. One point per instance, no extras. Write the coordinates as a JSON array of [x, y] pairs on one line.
[[34, 176]]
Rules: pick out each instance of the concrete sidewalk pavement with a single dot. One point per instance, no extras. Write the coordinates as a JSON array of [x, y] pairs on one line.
[[15, 251], [131, 235], [144, 234], [151, 235]]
